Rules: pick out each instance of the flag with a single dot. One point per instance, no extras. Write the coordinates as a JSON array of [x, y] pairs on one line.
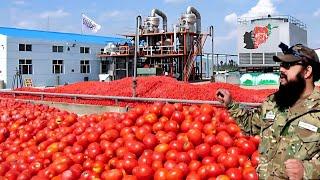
[[90, 24]]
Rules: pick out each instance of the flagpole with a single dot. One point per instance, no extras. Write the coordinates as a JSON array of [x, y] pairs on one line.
[[81, 23]]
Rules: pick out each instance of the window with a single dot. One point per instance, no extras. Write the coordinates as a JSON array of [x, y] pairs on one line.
[[25, 66], [84, 66], [25, 47], [84, 50], [57, 48], [57, 66], [104, 67]]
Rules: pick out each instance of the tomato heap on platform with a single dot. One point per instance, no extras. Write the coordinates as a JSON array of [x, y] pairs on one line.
[[160, 141], [148, 87]]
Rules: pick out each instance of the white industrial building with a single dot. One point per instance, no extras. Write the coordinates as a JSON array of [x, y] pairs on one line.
[[50, 58], [259, 37]]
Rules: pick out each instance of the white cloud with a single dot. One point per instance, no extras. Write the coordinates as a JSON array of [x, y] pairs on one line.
[[317, 13], [174, 1], [54, 14], [231, 18], [263, 8], [278, 1], [19, 2]]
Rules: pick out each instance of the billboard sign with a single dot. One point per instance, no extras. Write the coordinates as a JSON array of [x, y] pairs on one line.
[[257, 36]]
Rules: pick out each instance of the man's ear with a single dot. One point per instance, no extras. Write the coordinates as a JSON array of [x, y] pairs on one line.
[[308, 72]]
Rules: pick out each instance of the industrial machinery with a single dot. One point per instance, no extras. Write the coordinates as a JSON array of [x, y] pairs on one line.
[[160, 51]]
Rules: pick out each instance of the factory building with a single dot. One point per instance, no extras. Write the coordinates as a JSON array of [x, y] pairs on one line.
[[259, 37], [49, 58]]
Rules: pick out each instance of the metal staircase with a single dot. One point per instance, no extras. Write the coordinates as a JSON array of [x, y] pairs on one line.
[[189, 66]]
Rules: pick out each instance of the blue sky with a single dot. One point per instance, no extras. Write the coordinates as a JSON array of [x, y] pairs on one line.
[[118, 16]]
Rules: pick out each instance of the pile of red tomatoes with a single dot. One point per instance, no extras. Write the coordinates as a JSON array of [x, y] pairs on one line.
[[159, 141]]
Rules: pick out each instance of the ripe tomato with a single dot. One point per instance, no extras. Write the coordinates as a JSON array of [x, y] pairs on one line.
[[142, 172], [233, 129], [150, 118], [150, 141], [195, 136], [161, 174], [224, 139], [175, 174], [217, 149], [115, 174], [167, 110], [255, 158], [234, 173], [203, 150], [247, 147], [161, 148], [231, 161], [249, 174]]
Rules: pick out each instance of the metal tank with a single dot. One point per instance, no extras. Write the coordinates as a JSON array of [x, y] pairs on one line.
[[151, 23], [189, 19]]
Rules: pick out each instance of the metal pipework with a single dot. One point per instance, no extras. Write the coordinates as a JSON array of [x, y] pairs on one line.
[[164, 17], [211, 33], [136, 50], [190, 10]]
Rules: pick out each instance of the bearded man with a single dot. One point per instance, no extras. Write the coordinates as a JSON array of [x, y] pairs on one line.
[[288, 122]]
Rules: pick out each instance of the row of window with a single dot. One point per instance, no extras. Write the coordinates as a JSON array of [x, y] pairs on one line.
[[25, 66], [28, 47]]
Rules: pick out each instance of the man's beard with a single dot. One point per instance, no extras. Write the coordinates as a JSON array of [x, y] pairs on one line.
[[288, 94]]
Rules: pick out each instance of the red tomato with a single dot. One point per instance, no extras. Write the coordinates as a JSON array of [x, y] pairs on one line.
[[210, 139], [203, 150], [172, 126], [129, 164], [150, 141], [195, 136], [170, 164], [231, 161], [167, 110], [115, 174], [249, 174], [247, 147], [207, 109], [176, 145], [177, 116], [234, 173], [233, 129], [193, 176], [217, 149], [161, 148], [255, 158], [150, 118], [183, 157], [142, 172], [224, 139], [161, 174], [175, 174]]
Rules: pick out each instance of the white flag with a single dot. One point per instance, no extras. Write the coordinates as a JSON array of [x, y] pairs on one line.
[[88, 23]]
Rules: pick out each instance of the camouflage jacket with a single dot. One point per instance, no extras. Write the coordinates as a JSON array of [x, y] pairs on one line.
[[293, 133]]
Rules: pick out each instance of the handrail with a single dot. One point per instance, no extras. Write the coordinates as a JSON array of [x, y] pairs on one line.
[[124, 98]]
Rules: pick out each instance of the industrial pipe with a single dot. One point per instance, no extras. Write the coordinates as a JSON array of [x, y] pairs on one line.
[[164, 17], [190, 10], [136, 50], [211, 33]]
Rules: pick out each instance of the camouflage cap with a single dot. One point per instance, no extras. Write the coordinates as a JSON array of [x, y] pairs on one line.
[[296, 53]]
